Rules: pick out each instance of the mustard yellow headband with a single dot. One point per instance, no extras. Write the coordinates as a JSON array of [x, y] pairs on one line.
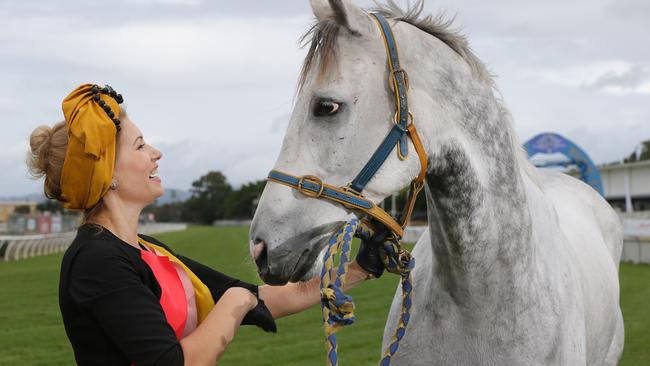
[[92, 119]]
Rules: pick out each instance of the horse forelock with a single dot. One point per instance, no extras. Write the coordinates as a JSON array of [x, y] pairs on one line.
[[322, 37], [322, 48], [440, 26]]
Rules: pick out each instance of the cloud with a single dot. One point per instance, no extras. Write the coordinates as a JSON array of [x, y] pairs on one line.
[[615, 77], [629, 11], [209, 51], [165, 2], [211, 83], [636, 79], [121, 11]]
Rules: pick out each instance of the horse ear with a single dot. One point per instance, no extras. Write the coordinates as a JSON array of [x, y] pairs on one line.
[[322, 9], [344, 12]]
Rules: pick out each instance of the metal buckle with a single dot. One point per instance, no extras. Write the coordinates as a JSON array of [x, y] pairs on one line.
[[312, 179], [405, 76]]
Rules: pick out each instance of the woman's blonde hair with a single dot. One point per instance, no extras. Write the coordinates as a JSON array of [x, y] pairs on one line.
[[48, 146]]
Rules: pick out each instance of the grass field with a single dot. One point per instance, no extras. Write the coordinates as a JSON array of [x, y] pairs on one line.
[[31, 331]]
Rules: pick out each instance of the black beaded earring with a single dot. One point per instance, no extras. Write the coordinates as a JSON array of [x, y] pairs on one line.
[[95, 91]]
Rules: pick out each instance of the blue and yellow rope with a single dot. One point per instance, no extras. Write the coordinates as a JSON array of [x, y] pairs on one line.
[[338, 308]]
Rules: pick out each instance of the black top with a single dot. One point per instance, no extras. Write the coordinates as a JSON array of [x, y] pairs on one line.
[[110, 302]]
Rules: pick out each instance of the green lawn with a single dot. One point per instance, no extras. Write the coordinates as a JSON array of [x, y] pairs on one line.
[[32, 332]]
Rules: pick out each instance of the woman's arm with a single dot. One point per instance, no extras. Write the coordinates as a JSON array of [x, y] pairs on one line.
[[207, 343], [296, 297]]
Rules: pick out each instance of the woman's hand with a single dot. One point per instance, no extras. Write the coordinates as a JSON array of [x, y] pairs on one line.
[[240, 298]]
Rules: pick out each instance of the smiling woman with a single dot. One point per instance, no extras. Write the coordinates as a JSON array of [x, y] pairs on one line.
[[126, 298]]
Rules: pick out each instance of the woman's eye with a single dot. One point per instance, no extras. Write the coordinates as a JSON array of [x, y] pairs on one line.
[[326, 108], [141, 146]]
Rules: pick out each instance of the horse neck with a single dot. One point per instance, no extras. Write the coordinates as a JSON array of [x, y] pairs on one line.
[[477, 208]]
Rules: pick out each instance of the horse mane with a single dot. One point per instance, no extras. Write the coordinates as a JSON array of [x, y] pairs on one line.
[[322, 37], [439, 26]]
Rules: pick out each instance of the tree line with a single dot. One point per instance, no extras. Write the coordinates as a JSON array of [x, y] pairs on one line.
[[212, 198]]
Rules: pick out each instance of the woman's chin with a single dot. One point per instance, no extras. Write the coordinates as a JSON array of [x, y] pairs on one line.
[[159, 192], [156, 187]]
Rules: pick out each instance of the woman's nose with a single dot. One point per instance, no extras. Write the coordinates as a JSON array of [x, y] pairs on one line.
[[157, 154]]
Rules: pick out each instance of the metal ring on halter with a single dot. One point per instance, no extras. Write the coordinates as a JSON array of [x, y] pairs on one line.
[[312, 179], [410, 118]]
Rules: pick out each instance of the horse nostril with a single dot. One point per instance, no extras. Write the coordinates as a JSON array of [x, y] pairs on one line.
[[259, 253]]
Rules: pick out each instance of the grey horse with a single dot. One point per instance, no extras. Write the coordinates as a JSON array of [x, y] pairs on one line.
[[518, 266]]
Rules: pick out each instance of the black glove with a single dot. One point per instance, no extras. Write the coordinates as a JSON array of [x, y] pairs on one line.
[[369, 256], [261, 317]]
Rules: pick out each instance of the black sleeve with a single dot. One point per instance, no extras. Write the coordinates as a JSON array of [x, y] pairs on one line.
[[104, 283]]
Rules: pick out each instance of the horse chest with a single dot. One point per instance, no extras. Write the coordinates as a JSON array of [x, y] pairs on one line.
[[510, 327]]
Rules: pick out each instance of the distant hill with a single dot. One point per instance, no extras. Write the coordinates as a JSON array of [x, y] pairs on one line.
[[170, 196], [32, 197]]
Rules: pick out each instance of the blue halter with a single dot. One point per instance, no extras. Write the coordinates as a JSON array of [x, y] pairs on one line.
[[397, 134]]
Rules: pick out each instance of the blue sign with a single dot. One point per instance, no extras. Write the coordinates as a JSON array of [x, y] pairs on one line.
[[550, 143]]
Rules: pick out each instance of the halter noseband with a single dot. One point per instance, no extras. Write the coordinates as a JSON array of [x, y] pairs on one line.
[[350, 195]]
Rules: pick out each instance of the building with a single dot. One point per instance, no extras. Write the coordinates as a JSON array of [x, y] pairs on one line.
[[9, 207], [627, 186]]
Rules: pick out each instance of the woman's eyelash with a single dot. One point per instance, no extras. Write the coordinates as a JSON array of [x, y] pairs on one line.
[[141, 146]]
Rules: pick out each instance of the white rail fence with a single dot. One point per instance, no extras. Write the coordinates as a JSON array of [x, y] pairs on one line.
[[161, 227], [636, 246], [17, 247], [636, 243], [27, 246]]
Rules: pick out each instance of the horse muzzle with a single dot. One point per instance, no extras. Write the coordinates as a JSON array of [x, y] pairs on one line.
[[293, 259]]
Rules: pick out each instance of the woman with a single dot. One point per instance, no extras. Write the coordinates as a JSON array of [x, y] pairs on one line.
[[127, 298]]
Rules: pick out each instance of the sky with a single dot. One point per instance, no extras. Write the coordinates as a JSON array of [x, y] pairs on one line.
[[211, 83]]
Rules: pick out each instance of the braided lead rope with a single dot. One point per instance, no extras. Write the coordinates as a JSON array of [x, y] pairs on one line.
[[338, 308]]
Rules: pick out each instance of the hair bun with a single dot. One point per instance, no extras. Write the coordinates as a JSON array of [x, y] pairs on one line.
[[40, 142]]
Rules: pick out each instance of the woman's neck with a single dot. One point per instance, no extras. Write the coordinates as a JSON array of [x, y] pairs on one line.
[[121, 220]]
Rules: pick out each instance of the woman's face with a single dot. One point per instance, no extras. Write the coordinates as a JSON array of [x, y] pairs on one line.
[[136, 166]]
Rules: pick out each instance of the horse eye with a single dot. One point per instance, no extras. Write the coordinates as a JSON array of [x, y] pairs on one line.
[[326, 108]]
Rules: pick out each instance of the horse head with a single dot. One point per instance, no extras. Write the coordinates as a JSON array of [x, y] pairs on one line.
[[344, 108]]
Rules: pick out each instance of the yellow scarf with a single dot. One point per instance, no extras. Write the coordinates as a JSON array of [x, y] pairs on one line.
[[204, 300], [90, 156]]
